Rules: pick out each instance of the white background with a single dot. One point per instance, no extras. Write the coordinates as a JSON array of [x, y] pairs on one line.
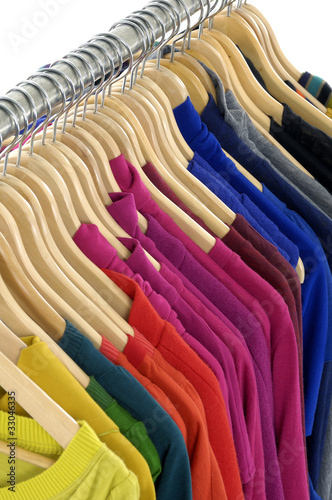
[[37, 32]]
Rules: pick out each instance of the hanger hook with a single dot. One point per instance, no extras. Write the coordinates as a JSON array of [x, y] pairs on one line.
[[168, 8], [105, 37], [84, 49], [47, 103], [150, 38], [140, 58], [45, 72], [138, 15], [121, 73], [72, 103], [5, 152], [182, 35], [103, 81], [65, 108], [26, 131]]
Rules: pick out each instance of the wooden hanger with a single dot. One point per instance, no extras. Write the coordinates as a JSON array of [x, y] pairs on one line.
[[14, 284], [266, 102], [253, 89], [168, 82], [85, 213], [63, 234], [195, 88], [27, 456], [59, 425], [163, 100], [244, 38], [296, 74], [187, 180], [155, 117], [196, 68], [51, 273], [202, 238], [259, 28], [232, 81], [184, 194], [69, 248], [12, 234]]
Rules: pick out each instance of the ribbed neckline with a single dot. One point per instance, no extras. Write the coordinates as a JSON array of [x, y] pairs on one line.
[[72, 463]]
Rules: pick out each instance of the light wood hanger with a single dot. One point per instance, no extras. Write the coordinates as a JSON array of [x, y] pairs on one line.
[[50, 272], [244, 38], [195, 88], [23, 324], [194, 66], [209, 217], [95, 202], [12, 234], [27, 456], [168, 82], [76, 278], [296, 74], [231, 82], [63, 233], [158, 93], [59, 425], [187, 180], [86, 214], [259, 29], [195, 232], [254, 90], [169, 150]]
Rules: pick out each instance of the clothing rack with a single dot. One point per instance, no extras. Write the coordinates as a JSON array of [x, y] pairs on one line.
[[125, 32]]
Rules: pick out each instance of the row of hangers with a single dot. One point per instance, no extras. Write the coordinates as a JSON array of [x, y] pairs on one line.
[[58, 177]]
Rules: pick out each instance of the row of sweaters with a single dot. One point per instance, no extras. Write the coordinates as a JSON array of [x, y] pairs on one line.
[[224, 391]]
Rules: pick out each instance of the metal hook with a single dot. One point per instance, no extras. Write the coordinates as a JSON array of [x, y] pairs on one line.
[[112, 75], [140, 58], [175, 16], [120, 73], [93, 89], [184, 34], [64, 108], [91, 82], [138, 19], [34, 116], [48, 112], [45, 73], [65, 60], [6, 151]]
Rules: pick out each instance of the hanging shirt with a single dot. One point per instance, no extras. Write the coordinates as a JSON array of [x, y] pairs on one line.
[[250, 212], [129, 180], [263, 172], [236, 117], [180, 356], [85, 470], [274, 262], [47, 371], [90, 241], [239, 150], [175, 478], [308, 144], [134, 430], [317, 87], [202, 460]]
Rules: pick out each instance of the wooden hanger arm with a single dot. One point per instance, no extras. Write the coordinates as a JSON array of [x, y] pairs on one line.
[[61, 426], [27, 456]]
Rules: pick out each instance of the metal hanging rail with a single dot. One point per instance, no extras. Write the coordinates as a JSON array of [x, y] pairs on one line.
[[125, 32]]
